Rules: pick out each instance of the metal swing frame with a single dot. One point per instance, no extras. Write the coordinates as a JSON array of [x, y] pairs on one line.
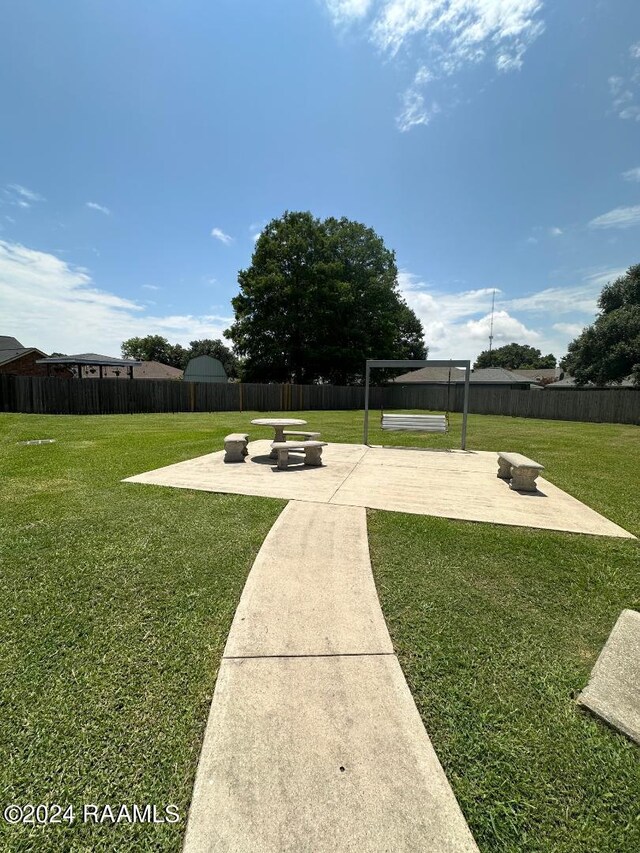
[[413, 363]]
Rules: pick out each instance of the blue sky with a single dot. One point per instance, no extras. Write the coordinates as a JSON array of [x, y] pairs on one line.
[[144, 143]]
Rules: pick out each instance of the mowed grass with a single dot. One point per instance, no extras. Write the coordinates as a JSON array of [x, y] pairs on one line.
[[116, 603], [497, 630], [117, 599]]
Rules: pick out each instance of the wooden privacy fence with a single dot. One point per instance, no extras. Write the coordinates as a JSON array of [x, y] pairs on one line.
[[43, 395]]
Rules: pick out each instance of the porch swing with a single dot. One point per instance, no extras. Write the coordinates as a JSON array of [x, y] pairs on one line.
[[418, 423]]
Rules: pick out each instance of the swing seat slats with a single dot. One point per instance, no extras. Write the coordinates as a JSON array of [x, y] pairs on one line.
[[415, 423]]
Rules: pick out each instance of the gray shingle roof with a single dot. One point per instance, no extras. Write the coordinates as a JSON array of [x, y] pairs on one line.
[[441, 374], [93, 358], [11, 348]]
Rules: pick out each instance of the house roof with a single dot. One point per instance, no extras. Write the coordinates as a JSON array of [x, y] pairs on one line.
[[156, 370], [539, 373], [91, 358], [430, 374], [7, 342], [11, 348], [496, 375]]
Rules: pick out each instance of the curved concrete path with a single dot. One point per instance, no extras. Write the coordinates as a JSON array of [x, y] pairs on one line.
[[313, 741]]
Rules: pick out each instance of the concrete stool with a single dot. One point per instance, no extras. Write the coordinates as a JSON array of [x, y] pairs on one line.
[[235, 447]]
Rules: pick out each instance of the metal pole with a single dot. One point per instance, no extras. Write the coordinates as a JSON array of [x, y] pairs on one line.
[[465, 408], [366, 404]]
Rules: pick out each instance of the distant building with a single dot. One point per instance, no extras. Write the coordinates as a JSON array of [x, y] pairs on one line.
[[205, 368], [487, 376], [542, 375], [157, 370], [20, 360]]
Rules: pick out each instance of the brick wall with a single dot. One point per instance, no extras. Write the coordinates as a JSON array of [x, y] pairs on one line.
[[26, 365]]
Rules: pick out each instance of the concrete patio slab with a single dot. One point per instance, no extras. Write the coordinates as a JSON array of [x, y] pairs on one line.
[[450, 484], [613, 691], [311, 589], [320, 754], [258, 475]]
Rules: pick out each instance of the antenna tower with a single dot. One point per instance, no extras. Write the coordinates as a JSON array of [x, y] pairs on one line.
[[493, 304]]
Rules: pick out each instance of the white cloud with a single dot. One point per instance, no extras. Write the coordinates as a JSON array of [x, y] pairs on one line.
[[632, 174], [444, 36], [219, 234], [415, 110], [57, 307], [346, 11], [555, 231], [100, 207], [620, 217], [150, 287], [457, 324], [571, 330], [19, 196], [625, 90]]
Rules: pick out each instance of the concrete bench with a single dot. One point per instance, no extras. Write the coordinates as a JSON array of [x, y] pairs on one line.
[[308, 436], [521, 471], [235, 447], [414, 423], [312, 451]]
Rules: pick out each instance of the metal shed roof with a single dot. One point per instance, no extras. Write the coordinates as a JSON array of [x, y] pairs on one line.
[[205, 368]]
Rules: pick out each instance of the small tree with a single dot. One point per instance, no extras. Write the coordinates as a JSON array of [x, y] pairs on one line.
[[154, 348], [608, 350], [515, 357], [319, 298]]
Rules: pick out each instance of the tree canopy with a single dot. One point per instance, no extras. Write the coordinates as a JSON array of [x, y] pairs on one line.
[[515, 357], [158, 348], [318, 299], [608, 350]]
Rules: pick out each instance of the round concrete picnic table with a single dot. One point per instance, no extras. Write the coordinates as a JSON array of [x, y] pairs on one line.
[[279, 424]]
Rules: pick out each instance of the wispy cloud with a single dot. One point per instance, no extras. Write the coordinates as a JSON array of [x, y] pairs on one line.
[[625, 89], [458, 32], [150, 287], [445, 36], [219, 234], [344, 12], [620, 217], [632, 174], [555, 231], [415, 109], [19, 196], [56, 306], [99, 207]]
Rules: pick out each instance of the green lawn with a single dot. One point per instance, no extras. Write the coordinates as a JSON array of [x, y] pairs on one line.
[[117, 599]]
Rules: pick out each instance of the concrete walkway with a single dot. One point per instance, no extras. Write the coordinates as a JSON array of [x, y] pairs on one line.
[[313, 741]]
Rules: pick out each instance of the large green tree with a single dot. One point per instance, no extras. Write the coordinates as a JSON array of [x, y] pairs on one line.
[[319, 298], [515, 357], [609, 350]]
